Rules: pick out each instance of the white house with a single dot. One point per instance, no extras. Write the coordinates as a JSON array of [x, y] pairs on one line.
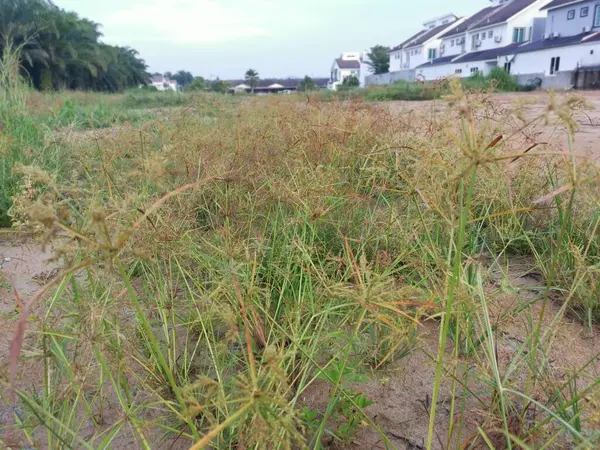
[[423, 46], [163, 83], [347, 65], [572, 41], [487, 39], [568, 18]]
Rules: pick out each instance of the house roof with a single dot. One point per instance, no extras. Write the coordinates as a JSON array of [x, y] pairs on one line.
[[486, 55], [158, 79], [402, 44], [348, 63], [284, 82], [471, 21], [558, 3], [428, 34], [437, 62], [504, 12], [544, 44]]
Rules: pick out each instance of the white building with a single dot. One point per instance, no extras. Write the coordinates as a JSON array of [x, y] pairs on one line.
[[487, 39], [572, 41], [423, 46], [347, 65], [163, 83]]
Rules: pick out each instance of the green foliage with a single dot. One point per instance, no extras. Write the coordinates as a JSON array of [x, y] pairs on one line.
[[60, 50], [251, 78], [183, 78], [378, 59], [307, 84], [140, 98], [198, 84], [403, 90], [498, 80], [502, 80], [351, 82], [219, 86]]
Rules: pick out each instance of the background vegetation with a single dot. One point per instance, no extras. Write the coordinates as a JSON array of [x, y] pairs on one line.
[[60, 50]]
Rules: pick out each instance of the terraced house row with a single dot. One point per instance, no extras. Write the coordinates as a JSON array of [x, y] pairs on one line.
[[554, 42]]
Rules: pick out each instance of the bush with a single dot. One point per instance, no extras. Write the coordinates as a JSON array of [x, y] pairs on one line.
[[502, 80], [403, 90], [498, 80]]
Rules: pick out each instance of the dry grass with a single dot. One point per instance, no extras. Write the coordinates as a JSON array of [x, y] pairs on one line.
[[220, 264]]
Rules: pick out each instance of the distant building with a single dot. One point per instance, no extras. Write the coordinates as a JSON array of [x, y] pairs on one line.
[[273, 85], [349, 64], [163, 83], [422, 46]]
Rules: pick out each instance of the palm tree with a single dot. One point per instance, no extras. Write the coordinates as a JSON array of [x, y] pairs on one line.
[[58, 49], [252, 78]]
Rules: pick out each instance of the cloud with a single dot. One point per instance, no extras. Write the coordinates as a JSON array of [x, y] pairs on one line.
[[189, 21]]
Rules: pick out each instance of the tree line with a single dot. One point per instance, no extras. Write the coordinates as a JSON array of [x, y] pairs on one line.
[[60, 50], [188, 82]]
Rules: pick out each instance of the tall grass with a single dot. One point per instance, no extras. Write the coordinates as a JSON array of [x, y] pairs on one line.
[[217, 271]]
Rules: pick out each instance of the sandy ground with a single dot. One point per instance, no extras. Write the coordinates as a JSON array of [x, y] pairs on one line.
[[587, 138]]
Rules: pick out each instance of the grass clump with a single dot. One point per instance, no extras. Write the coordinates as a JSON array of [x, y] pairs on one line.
[[218, 274], [403, 90]]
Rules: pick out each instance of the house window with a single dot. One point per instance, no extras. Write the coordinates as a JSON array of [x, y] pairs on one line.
[[507, 67], [474, 41], [474, 69], [554, 65], [570, 14], [483, 35], [583, 12], [518, 35], [452, 43], [432, 53], [529, 33], [457, 70], [597, 16], [490, 34], [591, 52]]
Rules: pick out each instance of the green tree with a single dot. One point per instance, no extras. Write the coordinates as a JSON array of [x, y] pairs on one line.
[[198, 84], [251, 78], [183, 78], [219, 86], [378, 59], [61, 50], [351, 82], [307, 84]]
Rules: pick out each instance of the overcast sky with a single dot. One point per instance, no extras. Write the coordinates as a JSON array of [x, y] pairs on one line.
[[277, 38]]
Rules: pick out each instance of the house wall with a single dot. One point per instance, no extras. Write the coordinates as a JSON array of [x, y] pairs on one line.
[[525, 19], [396, 61], [488, 42], [416, 59], [171, 86], [436, 72], [450, 70], [345, 73], [390, 77], [449, 49], [539, 28], [571, 57], [558, 23]]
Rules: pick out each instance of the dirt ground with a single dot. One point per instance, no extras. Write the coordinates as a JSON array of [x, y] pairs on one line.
[[402, 391], [586, 139]]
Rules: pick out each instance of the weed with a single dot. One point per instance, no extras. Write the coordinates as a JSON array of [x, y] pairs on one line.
[[221, 264]]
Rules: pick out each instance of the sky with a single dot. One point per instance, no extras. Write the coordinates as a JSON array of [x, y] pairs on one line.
[[224, 38]]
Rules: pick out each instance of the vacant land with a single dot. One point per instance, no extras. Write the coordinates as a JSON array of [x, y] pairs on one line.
[[198, 271]]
